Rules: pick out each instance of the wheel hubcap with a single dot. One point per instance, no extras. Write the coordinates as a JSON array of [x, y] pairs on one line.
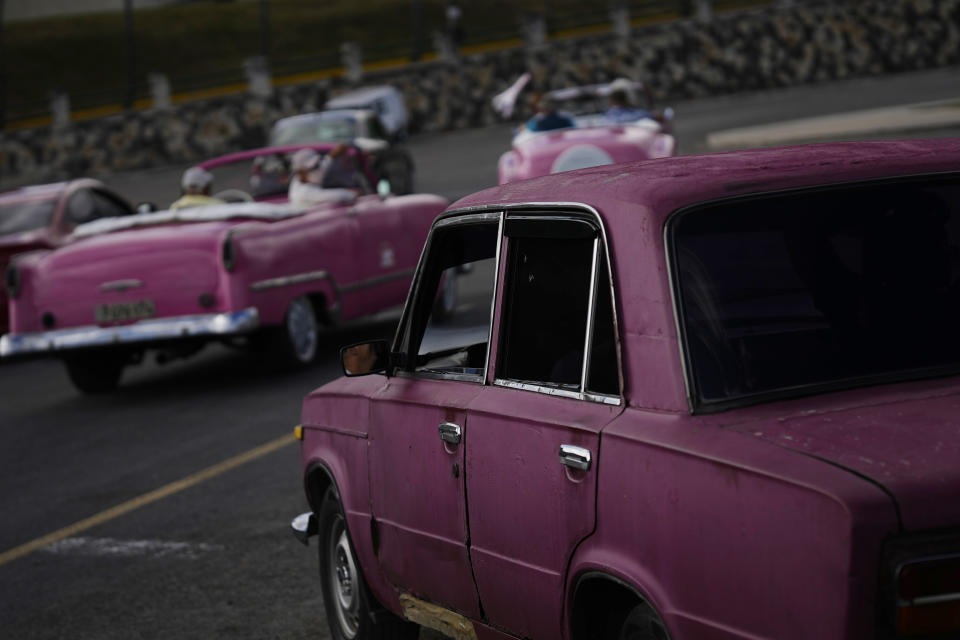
[[302, 329], [343, 581]]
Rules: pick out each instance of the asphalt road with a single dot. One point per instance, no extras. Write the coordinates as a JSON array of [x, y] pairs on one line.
[[210, 555]]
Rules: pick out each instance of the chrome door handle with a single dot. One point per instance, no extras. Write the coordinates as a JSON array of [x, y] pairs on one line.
[[450, 432], [575, 457]]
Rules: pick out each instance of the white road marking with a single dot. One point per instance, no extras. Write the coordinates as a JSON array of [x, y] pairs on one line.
[[113, 547]]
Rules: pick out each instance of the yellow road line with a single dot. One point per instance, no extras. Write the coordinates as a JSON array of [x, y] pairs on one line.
[[145, 499]]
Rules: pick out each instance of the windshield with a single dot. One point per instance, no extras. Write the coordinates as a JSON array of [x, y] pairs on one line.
[[25, 216], [834, 288], [314, 131]]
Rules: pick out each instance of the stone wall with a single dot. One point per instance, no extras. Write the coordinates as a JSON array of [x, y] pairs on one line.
[[752, 50]]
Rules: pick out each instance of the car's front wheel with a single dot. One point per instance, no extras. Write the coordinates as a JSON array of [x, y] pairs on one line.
[[348, 603], [95, 372]]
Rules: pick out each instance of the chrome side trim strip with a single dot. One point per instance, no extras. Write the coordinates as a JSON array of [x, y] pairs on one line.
[[372, 282], [121, 285], [493, 299], [211, 324], [285, 281], [556, 391]]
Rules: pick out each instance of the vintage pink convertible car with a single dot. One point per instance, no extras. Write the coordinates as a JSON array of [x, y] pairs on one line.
[[596, 139], [43, 217], [704, 397], [173, 280]]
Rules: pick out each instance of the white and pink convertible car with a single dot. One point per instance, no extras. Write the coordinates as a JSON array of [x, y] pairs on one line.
[[599, 135]]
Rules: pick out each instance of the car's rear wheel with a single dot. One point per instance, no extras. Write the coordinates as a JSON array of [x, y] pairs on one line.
[[95, 372], [349, 605], [294, 343]]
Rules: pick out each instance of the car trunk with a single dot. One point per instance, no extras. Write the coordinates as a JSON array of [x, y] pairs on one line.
[[909, 445], [118, 278]]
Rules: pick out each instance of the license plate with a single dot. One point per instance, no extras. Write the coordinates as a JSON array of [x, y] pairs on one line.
[[124, 311]]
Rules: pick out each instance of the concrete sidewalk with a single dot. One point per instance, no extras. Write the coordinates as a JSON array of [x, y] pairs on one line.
[[903, 119]]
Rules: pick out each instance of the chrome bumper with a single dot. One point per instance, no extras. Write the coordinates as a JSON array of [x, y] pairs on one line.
[[153, 329], [304, 526]]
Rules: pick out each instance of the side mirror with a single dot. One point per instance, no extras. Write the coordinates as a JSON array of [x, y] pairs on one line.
[[383, 188], [145, 207], [668, 114], [365, 358]]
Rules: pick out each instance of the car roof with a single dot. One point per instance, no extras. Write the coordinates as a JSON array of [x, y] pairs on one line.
[[360, 96], [662, 186]]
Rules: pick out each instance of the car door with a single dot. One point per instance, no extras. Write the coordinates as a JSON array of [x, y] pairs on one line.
[[418, 421], [531, 460], [382, 273]]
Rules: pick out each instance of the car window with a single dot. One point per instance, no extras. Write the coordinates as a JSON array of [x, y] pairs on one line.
[[835, 287], [81, 207], [87, 204], [546, 329], [108, 206], [448, 326], [377, 129], [26, 216]]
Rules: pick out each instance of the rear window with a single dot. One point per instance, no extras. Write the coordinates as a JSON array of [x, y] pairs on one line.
[[25, 216], [810, 291], [315, 131]]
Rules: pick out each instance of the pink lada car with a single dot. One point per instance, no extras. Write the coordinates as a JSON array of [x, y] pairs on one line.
[[705, 397], [268, 273], [600, 135]]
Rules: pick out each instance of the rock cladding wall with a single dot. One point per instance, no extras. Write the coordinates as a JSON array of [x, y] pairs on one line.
[[752, 50]]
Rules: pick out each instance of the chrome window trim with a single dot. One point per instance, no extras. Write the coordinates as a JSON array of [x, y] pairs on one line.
[[455, 221], [432, 375], [575, 207], [591, 313], [556, 391], [496, 290]]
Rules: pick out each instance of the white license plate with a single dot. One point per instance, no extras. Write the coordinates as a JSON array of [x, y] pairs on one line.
[[124, 311]]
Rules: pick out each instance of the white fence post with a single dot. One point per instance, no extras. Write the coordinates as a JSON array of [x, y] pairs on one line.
[[258, 76]]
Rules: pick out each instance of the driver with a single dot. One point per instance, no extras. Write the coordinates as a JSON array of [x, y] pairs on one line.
[[305, 185], [195, 185]]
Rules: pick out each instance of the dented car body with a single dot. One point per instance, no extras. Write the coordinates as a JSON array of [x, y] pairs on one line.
[[705, 397], [264, 273]]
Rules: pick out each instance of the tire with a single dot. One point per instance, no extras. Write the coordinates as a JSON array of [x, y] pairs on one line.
[[446, 303], [352, 612], [642, 623], [95, 373], [295, 344]]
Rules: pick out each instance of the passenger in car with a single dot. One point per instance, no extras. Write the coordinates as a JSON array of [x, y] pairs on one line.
[[339, 170], [547, 116], [196, 186]]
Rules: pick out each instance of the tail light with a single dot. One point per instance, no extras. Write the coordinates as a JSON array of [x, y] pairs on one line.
[[228, 253], [928, 597], [13, 280]]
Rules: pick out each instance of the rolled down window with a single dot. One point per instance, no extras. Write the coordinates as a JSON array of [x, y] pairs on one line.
[[807, 291]]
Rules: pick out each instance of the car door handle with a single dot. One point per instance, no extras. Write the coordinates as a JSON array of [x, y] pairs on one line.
[[450, 432], [575, 457]]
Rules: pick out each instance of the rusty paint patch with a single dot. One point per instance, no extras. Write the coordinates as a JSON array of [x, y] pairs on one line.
[[449, 623]]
